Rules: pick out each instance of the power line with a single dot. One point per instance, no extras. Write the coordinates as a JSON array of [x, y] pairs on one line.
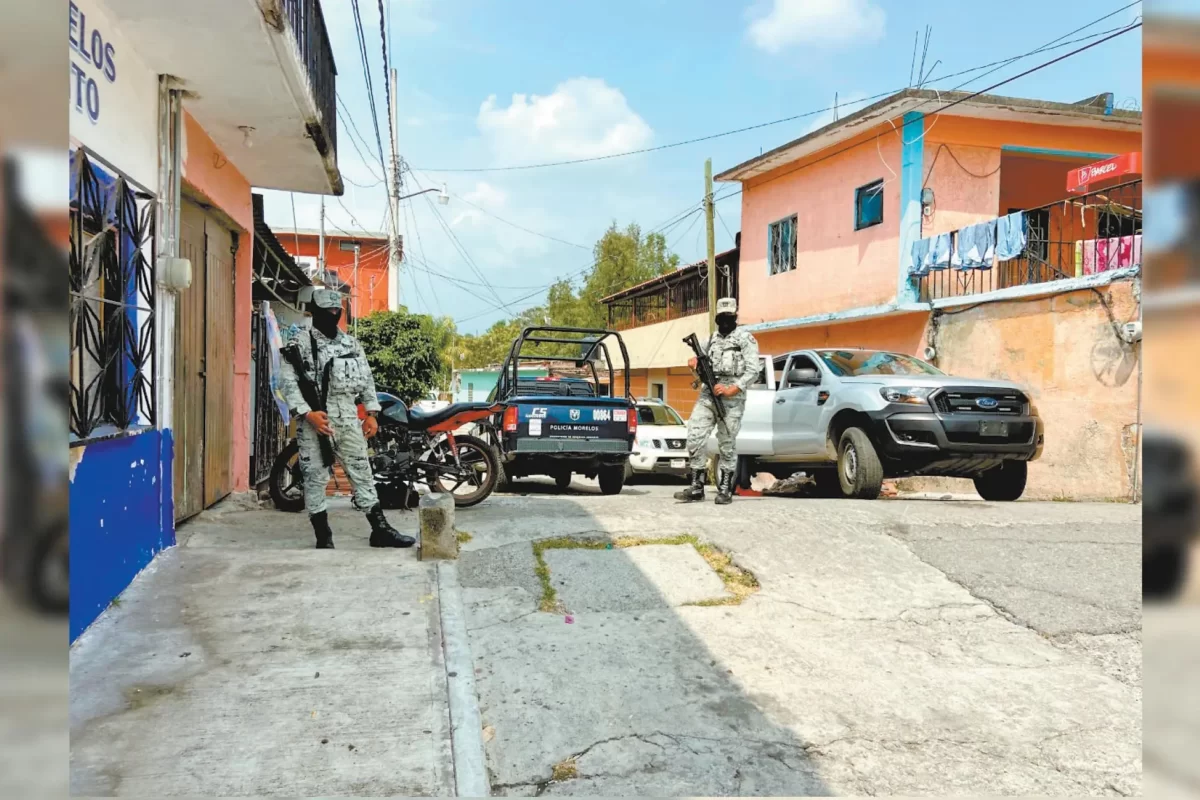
[[1053, 45], [519, 227], [665, 227], [960, 100], [387, 85], [462, 250], [366, 65]]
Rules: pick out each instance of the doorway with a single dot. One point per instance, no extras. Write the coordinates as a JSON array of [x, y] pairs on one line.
[[203, 392]]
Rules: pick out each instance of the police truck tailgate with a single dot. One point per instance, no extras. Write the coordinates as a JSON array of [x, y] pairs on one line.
[[575, 424]]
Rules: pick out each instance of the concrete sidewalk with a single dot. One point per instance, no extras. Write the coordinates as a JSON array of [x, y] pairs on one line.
[[242, 662]]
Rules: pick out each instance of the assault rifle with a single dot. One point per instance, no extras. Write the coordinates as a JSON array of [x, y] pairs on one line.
[[308, 389], [705, 374]]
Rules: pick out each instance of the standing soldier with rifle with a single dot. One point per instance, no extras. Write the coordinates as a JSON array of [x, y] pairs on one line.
[[726, 367], [324, 375]]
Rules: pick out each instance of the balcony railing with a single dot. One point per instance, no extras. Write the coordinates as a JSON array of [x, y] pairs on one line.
[[673, 296], [1082, 235], [308, 26]]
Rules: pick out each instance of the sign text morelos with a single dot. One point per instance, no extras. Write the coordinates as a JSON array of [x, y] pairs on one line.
[[98, 56]]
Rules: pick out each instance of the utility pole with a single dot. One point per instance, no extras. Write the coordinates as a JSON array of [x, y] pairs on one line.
[[709, 212], [321, 251], [357, 293], [394, 202]]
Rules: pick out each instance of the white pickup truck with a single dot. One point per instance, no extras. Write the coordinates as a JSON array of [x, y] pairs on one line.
[[854, 417]]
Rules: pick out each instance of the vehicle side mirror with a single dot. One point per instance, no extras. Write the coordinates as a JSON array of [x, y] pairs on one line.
[[803, 377]]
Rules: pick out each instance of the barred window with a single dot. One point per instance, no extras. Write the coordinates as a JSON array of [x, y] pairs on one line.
[[781, 245], [112, 296]]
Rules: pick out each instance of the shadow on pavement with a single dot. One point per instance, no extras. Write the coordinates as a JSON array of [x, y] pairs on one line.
[[614, 693]]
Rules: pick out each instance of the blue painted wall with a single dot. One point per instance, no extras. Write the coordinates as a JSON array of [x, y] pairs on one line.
[[122, 515], [912, 159]]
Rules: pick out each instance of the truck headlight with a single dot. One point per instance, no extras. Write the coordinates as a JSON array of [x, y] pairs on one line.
[[913, 395]]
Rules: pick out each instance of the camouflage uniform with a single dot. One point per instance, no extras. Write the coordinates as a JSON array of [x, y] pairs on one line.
[[735, 361], [350, 383]]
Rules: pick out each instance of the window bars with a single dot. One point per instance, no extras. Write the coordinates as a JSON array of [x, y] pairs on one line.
[[112, 298]]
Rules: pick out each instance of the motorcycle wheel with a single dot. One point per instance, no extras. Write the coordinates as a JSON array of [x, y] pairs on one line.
[[286, 484], [479, 457]]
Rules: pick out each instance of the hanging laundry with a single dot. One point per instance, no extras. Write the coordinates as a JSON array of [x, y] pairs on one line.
[[921, 250], [975, 246], [1011, 236], [940, 252], [1129, 252]]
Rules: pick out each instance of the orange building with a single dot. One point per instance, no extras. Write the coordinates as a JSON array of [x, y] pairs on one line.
[[829, 224], [364, 284]]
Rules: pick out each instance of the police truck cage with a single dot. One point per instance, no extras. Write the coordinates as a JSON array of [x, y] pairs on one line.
[[582, 347]]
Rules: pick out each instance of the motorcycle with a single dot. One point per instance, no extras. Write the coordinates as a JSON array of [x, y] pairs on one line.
[[411, 447]]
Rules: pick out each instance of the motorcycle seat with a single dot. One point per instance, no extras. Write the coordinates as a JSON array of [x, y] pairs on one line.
[[420, 420]]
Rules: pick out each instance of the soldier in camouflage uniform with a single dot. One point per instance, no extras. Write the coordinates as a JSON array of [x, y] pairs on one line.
[[733, 352], [327, 349]]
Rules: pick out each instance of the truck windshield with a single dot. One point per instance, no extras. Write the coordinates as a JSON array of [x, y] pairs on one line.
[[853, 363], [658, 415]]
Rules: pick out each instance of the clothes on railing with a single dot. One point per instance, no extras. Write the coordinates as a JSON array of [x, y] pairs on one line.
[[975, 246], [1011, 236], [1101, 255], [940, 252], [920, 257]]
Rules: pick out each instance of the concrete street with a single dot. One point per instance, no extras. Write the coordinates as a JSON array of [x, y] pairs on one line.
[[895, 647], [892, 647]]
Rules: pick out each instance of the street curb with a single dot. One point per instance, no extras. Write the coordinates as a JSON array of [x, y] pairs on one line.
[[466, 724]]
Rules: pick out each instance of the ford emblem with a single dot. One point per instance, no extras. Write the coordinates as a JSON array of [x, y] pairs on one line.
[[987, 403], [575, 414]]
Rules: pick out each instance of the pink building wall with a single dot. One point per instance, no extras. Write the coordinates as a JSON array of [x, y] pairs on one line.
[[837, 266]]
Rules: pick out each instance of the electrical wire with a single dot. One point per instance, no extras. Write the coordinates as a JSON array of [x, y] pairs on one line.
[[1053, 45], [954, 103], [519, 227], [366, 65]]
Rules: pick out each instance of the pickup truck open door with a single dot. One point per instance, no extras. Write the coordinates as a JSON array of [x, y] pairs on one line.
[[796, 413]]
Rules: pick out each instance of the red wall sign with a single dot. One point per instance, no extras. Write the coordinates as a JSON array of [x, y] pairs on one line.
[[1103, 171]]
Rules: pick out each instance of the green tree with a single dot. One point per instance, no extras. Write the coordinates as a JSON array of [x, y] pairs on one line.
[[402, 351], [623, 258]]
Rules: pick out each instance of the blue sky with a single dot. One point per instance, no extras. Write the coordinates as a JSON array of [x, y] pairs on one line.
[[484, 83]]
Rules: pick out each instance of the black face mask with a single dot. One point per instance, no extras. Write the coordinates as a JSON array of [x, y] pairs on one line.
[[726, 323], [326, 321]]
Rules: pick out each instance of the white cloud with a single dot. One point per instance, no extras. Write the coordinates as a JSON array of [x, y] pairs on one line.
[[484, 195], [583, 118], [820, 23]]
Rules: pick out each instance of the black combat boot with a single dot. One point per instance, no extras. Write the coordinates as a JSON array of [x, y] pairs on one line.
[[320, 523], [725, 480], [695, 490], [382, 532]]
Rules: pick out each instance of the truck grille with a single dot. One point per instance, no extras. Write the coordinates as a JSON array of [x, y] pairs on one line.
[[676, 444], [957, 401]]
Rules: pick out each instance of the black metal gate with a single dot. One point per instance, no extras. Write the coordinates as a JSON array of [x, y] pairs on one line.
[[268, 434]]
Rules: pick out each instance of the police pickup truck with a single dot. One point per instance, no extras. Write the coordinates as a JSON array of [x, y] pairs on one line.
[[561, 427]]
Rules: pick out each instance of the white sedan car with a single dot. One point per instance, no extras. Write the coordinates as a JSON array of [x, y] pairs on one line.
[[661, 446]]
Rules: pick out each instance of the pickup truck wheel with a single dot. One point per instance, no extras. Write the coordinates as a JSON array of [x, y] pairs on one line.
[[859, 469], [563, 481], [612, 479], [1003, 483]]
